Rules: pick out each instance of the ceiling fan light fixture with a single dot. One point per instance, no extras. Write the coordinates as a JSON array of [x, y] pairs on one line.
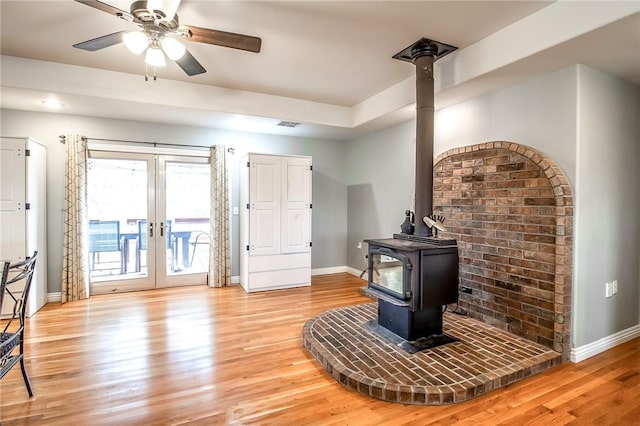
[[136, 41], [173, 48], [158, 20], [155, 57]]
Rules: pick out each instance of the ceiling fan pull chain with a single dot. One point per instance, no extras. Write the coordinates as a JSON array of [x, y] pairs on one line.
[[146, 73]]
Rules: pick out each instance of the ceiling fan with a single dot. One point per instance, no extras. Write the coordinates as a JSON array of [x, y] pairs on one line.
[[160, 33]]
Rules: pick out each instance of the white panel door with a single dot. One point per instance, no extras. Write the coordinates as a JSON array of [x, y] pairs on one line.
[[264, 209], [296, 204], [12, 199], [36, 222]]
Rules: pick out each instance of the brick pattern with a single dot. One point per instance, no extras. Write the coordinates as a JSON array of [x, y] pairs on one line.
[[484, 359], [511, 211]]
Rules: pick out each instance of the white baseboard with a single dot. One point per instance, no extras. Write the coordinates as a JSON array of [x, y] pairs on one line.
[[331, 270], [54, 297], [57, 297], [601, 345], [356, 273]]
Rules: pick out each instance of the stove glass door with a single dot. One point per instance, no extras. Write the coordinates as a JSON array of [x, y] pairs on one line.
[[389, 272]]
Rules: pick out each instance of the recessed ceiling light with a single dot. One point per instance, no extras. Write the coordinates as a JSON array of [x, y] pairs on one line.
[[52, 103]]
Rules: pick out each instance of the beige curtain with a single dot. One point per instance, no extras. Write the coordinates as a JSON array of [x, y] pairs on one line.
[[219, 255], [75, 271]]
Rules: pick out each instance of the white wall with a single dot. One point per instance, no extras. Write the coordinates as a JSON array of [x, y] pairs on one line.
[[584, 120], [329, 191], [380, 186], [539, 113], [607, 245]]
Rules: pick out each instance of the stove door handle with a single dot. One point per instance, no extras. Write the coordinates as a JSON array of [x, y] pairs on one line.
[[388, 252]]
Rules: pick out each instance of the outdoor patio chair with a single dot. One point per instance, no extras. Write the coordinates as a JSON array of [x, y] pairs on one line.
[[104, 236], [14, 288]]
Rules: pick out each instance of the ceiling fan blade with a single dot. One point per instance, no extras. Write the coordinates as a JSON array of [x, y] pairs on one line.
[[223, 38], [107, 8], [101, 42], [190, 65]]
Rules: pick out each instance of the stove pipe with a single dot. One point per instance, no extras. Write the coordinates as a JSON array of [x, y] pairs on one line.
[[423, 55]]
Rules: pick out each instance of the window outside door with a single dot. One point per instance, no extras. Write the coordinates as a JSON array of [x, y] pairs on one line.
[[148, 221]]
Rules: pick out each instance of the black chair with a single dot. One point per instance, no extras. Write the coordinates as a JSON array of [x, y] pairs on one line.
[[15, 285], [104, 236]]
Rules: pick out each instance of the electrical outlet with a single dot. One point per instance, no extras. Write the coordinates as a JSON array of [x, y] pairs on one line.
[[614, 286], [236, 211], [607, 289], [359, 245]]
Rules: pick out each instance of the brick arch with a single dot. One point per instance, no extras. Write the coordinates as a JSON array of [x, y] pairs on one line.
[[511, 210]]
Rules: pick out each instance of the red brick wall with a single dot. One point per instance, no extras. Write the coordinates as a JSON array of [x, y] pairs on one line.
[[511, 211]]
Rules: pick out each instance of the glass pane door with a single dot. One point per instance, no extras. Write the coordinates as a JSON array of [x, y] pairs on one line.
[[148, 221], [119, 207], [184, 204]]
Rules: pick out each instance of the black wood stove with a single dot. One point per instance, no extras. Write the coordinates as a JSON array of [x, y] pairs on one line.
[[415, 276]]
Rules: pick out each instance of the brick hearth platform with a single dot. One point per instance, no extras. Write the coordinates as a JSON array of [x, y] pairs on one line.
[[485, 358]]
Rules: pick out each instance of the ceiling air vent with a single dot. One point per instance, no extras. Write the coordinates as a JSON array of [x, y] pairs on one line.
[[288, 124]]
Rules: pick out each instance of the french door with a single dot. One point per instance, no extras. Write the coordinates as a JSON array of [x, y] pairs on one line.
[[148, 220]]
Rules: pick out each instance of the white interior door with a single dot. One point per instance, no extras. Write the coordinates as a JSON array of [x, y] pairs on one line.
[[264, 211], [23, 211], [12, 200], [12, 206], [296, 202], [37, 222]]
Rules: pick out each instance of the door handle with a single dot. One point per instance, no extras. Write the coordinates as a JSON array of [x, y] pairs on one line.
[[150, 229], [161, 229]]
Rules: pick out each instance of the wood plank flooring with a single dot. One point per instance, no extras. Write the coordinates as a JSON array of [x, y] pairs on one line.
[[201, 356]]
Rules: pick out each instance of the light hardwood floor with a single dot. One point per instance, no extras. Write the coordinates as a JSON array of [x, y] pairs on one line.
[[195, 355]]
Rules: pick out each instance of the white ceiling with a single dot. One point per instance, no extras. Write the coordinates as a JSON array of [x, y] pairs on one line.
[[326, 64]]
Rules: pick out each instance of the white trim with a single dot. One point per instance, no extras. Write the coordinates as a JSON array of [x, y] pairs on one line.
[[331, 270], [54, 297], [235, 279], [355, 272], [601, 345]]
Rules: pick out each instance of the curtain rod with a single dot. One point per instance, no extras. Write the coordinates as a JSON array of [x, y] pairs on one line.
[[63, 140]]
